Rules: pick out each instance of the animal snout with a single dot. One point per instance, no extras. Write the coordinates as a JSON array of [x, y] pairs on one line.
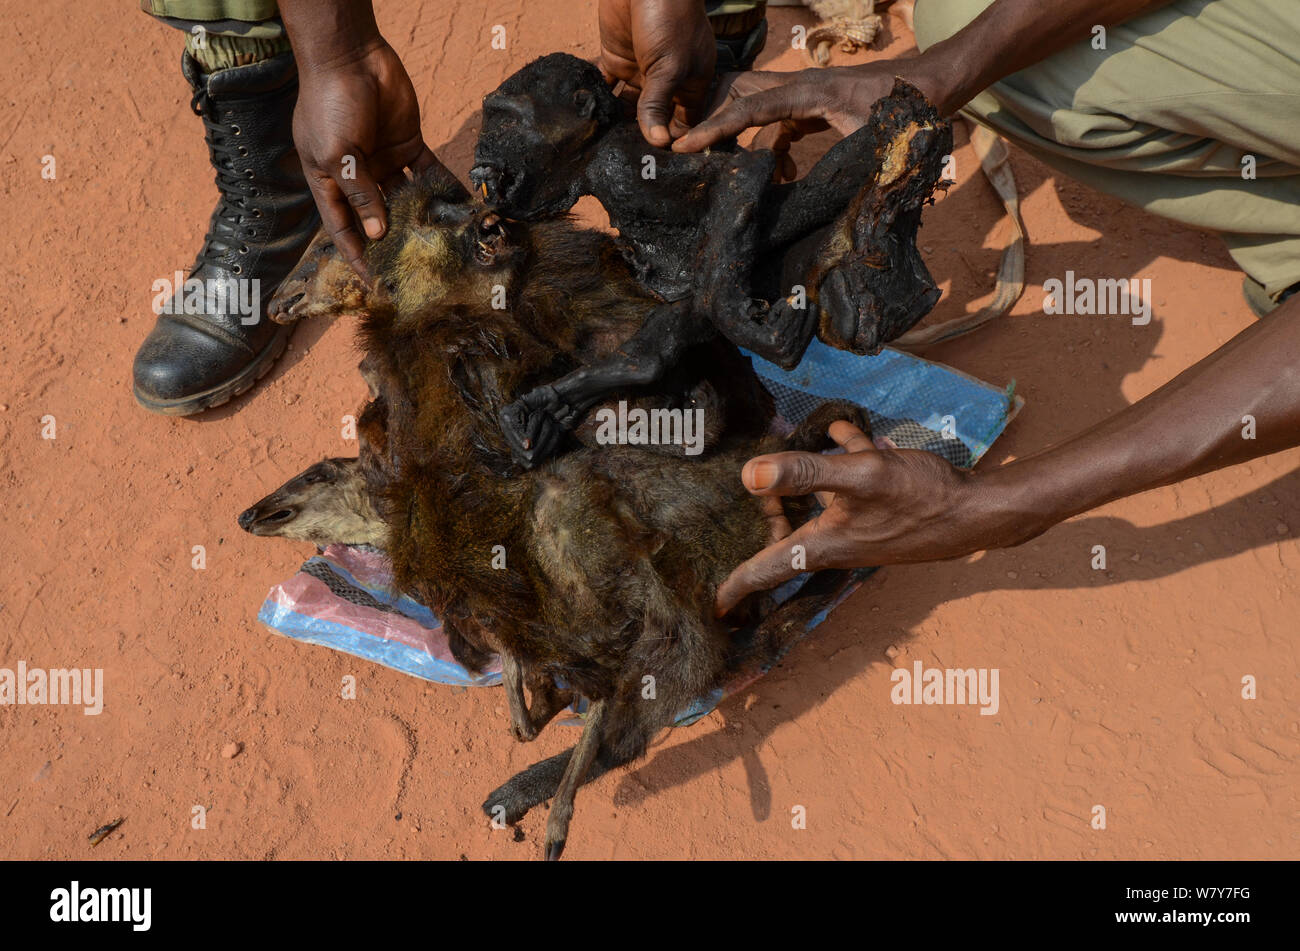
[[282, 304], [266, 519], [491, 239], [491, 228], [489, 183]]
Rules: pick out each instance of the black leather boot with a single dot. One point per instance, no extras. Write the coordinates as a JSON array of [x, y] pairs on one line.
[[213, 340]]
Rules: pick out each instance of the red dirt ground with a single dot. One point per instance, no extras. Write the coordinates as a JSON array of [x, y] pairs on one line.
[[1118, 688]]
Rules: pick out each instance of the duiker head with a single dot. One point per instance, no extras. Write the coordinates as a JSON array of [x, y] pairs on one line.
[[440, 247], [327, 503]]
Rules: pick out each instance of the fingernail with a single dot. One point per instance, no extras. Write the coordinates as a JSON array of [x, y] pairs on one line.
[[374, 228], [762, 475]]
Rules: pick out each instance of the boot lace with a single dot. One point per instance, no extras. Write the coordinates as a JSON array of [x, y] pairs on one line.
[[232, 222]]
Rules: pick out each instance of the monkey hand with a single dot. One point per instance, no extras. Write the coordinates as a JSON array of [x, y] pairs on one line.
[[535, 424], [780, 337]]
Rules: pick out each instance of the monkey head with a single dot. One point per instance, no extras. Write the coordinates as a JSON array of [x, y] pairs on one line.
[[537, 126], [440, 247]]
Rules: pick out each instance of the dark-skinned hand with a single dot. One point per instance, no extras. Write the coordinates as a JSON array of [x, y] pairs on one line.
[[882, 506], [361, 106], [801, 102], [664, 51]]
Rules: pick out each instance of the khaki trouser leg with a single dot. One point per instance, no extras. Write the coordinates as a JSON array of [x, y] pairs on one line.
[[1167, 116], [224, 33]]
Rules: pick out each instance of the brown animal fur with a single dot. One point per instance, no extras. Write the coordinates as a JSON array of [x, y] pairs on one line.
[[612, 553]]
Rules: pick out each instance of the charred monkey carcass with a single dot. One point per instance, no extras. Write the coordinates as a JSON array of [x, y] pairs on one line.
[[727, 250]]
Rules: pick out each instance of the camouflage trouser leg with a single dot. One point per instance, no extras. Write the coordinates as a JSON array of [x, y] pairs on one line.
[[741, 30], [224, 33], [1189, 111]]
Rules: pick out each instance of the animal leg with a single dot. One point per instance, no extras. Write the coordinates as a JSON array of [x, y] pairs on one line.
[[531, 787], [512, 800], [584, 754], [547, 700], [796, 209], [628, 730], [535, 424], [778, 332], [873, 285], [512, 678]]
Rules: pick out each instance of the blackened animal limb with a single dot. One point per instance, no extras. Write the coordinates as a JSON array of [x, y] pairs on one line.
[[724, 286], [873, 284], [781, 333], [798, 208], [535, 424], [584, 754]]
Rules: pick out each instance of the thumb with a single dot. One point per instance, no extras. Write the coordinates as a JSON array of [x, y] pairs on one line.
[[802, 473], [654, 109], [363, 194]]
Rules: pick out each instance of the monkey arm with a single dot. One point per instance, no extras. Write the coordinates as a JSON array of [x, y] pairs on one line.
[[730, 245], [535, 424], [872, 285], [695, 227], [795, 209]]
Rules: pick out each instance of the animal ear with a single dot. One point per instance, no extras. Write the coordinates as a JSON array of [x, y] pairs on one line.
[[379, 294], [585, 102]]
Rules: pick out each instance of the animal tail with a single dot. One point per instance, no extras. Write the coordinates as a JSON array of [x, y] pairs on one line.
[[810, 435]]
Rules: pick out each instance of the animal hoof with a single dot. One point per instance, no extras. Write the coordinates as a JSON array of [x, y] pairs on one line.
[[524, 734], [554, 850]]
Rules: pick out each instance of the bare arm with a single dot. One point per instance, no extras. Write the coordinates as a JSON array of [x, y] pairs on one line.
[[664, 50], [357, 123], [900, 505], [1005, 38], [1191, 425]]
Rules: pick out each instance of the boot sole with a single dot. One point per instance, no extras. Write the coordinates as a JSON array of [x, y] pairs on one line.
[[224, 392]]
